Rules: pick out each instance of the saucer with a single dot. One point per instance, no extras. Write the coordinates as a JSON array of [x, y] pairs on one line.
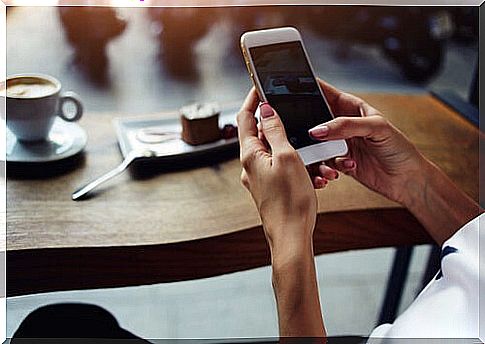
[[65, 140]]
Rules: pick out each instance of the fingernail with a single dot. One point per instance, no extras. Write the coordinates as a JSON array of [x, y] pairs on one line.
[[266, 110], [349, 164], [319, 131], [320, 182]]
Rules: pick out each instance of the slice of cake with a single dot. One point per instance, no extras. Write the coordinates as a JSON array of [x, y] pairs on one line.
[[200, 123]]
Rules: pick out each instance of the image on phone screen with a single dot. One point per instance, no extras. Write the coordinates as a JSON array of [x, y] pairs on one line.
[[291, 89]]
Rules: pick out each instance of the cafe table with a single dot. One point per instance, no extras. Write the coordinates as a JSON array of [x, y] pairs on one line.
[[182, 224]]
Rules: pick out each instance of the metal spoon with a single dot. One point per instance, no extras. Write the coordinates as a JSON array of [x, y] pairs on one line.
[[132, 156]]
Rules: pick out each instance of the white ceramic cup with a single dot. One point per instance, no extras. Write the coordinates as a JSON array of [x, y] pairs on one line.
[[33, 103]]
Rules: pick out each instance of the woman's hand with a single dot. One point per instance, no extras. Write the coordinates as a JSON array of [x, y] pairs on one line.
[[276, 177], [380, 156], [384, 160], [283, 192]]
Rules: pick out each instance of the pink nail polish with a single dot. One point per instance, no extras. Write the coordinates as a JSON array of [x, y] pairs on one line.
[[266, 110], [349, 164], [320, 131]]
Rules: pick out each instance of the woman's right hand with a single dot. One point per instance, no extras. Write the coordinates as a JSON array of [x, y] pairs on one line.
[[380, 156]]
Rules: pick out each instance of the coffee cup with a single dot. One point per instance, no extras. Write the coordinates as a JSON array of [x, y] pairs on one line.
[[33, 103]]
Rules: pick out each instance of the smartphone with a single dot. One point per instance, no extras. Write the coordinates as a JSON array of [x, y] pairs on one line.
[[279, 67]]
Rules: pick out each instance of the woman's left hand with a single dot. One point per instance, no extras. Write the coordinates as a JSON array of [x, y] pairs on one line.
[[276, 177]]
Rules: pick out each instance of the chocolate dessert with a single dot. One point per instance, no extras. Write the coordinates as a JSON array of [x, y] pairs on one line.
[[200, 123]]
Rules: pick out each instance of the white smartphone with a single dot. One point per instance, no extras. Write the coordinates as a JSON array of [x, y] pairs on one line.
[[279, 67]]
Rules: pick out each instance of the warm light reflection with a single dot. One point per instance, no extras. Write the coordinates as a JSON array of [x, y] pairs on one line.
[[117, 3], [30, 3], [188, 3]]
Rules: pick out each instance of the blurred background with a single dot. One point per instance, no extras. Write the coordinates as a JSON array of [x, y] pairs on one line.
[[140, 60], [146, 60]]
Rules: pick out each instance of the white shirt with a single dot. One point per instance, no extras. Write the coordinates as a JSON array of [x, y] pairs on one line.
[[449, 305]]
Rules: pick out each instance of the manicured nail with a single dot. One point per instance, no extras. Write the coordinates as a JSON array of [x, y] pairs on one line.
[[320, 182], [266, 110], [320, 131], [349, 164]]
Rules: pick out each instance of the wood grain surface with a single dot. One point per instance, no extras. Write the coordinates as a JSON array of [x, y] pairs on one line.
[[172, 224]]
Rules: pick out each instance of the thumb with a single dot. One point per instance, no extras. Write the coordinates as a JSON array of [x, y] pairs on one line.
[[273, 128]]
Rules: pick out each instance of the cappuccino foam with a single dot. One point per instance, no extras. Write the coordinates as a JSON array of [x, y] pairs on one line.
[[29, 87]]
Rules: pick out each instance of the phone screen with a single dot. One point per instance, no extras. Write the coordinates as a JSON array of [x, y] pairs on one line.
[[291, 89]]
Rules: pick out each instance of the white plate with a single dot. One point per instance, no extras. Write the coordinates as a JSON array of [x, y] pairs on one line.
[[65, 140], [136, 134]]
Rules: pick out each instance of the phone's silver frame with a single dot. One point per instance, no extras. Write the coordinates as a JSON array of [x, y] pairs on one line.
[[310, 154]]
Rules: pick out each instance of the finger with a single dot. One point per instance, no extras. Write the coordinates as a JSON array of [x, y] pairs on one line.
[[313, 170], [373, 127], [368, 110], [250, 145], [352, 106], [340, 102], [345, 104], [245, 118], [331, 93], [261, 135], [273, 129], [327, 172], [345, 165], [244, 179], [319, 182]]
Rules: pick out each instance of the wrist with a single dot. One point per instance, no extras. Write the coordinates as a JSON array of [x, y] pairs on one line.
[[440, 206], [417, 183], [296, 290], [291, 253], [286, 236], [286, 231], [296, 264]]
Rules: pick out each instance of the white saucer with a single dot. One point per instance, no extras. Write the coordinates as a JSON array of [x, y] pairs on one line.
[[65, 140]]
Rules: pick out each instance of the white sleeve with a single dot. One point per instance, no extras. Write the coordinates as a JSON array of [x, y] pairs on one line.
[[448, 306], [381, 331]]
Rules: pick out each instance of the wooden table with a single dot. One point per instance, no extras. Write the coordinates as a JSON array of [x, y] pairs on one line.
[[201, 222]]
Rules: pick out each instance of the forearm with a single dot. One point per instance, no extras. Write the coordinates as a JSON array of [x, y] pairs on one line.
[[296, 291], [439, 204]]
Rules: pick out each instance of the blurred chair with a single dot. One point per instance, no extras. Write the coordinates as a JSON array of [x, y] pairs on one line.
[[467, 108]]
